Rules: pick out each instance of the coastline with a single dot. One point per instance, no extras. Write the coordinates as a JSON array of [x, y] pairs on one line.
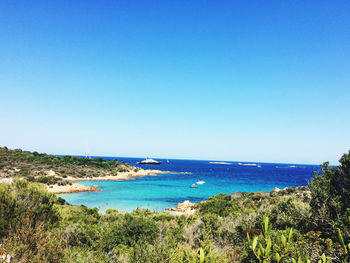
[[78, 188], [70, 189]]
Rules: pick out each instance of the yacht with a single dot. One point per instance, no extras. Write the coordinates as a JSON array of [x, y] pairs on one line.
[[149, 161]]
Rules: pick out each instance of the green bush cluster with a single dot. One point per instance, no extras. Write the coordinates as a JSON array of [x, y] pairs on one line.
[[21, 198], [51, 169], [17, 156]]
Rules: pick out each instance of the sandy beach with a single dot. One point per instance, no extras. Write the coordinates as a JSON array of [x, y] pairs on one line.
[[74, 188], [77, 188]]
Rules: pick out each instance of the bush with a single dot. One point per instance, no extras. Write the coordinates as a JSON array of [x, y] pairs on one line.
[[21, 197], [130, 231], [330, 191], [290, 213], [31, 242]]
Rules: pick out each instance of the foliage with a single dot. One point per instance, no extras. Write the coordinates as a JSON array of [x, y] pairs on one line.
[[36, 226], [52, 169], [345, 247], [31, 242], [267, 248], [331, 196], [18, 156], [21, 197]]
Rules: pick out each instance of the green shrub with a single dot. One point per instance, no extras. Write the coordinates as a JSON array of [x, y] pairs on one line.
[[21, 197]]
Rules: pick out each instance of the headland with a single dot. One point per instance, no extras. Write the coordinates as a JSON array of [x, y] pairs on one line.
[[60, 173]]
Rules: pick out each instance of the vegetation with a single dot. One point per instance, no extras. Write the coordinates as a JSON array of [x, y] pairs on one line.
[[303, 224], [52, 169]]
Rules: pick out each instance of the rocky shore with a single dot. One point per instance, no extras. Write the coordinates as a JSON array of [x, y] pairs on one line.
[[74, 188], [185, 208], [77, 188]]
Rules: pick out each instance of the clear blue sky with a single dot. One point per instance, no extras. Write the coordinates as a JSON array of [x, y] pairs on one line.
[[219, 80]]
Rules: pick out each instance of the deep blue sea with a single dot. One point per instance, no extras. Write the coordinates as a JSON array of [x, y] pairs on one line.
[[164, 190]]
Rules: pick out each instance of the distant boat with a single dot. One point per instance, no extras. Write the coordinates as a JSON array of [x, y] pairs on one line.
[[290, 166], [200, 182], [220, 163], [149, 161], [247, 164], [193, 186]]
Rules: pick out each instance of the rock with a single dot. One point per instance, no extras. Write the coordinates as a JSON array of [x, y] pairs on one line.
[[235, 195], [6, 258], [184, 208], [6, 180], [50, 173], [265, 194]]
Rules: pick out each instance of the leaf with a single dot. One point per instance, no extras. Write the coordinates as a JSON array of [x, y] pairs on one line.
[[261, 249], [290, 234], [259, 253], [201, 255], [283, 239], [340, 237], [255, 242], [277, 257], [266, 223], [324, 258], [293, 260], [268, 247]]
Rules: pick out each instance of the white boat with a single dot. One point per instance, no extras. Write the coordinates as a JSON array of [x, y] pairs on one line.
[[247, 164], [193, 186], [220, 163], [200, 182], [149, 161]]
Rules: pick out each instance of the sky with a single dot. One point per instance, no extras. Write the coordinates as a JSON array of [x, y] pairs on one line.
[[263, 81]]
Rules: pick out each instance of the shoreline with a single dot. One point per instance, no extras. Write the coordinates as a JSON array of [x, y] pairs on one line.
[[78, 188]]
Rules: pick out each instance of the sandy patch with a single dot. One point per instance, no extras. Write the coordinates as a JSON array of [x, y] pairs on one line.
[[76, 188]]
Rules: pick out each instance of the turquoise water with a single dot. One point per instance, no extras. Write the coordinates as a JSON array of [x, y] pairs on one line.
[[164, 190]]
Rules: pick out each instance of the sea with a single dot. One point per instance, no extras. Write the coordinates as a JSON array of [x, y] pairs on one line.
[[167, 190]]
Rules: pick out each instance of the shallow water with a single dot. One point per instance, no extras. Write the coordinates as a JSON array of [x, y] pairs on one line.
[[164, 190]]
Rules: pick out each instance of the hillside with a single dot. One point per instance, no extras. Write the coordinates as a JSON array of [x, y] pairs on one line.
[[58, 173], [303, 224]]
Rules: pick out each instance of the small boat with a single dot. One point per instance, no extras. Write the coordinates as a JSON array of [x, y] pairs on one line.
[[220, 163], [200, 182], [149, 161], [247, 164], [193, 186]]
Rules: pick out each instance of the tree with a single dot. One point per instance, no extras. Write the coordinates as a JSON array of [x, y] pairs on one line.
[[331, 195]]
